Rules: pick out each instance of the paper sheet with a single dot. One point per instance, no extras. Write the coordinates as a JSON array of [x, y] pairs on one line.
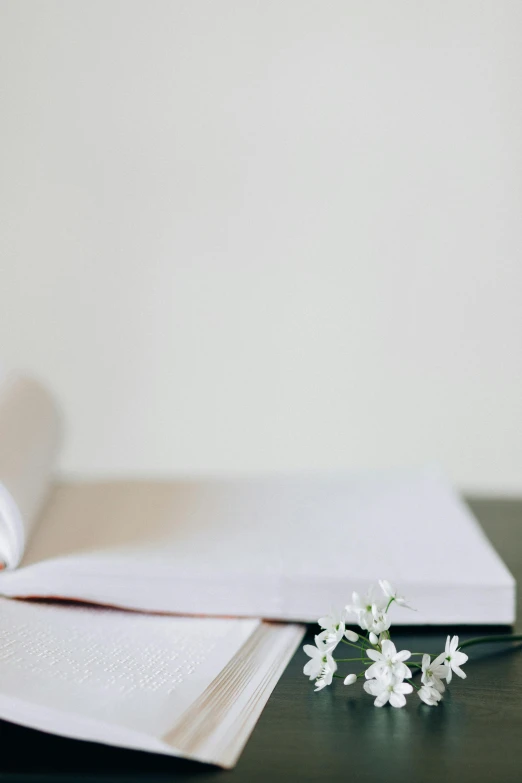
[[134, 680]]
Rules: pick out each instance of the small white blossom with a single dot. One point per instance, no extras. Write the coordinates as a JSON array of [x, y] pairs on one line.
[[334, 627], [350, 679], [380, 621], [321, 666], [393, 691], [366, 606], [323, 681], [429, 695], [374, 639], [433, 675], [391, 593], [324, 641], [452, 659], [352, 636], [388, 664]]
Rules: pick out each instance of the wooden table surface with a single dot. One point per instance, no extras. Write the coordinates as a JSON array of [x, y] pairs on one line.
[[338, 735]]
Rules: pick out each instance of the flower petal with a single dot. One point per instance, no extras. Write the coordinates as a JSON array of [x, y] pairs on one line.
[[459, 658], [375, 655], [382, 698], [388, 648], [312, 651], [373, 671], [437, 683], [403, 687], [312, 669], [458, 671], [372, 687], [397, 699], [403, 655]]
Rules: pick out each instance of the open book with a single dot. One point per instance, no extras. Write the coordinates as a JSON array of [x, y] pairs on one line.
[[273, 547], [191, 687]]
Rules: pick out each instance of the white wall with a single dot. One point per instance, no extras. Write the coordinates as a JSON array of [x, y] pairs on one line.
[[264, 235]]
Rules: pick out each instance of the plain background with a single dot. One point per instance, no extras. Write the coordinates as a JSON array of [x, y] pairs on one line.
[[281, 235]]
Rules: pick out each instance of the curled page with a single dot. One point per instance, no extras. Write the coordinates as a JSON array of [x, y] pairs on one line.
[[30, 435]]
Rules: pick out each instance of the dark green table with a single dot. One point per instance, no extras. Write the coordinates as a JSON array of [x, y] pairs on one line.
[[338, 735]]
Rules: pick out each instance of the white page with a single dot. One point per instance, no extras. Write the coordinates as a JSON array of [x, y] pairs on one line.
[[283, 548], [30, 436], [139, 681]]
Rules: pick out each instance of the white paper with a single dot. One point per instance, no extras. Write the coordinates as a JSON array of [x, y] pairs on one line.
[[282, 548], [30, 435], [134, 680]]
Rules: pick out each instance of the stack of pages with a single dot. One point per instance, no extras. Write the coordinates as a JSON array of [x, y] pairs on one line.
[[191, 687], [277, 548]]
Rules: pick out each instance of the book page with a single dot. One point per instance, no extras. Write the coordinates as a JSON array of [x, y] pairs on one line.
[[30, 435], [189, 687], [116, 673], [272, 547]]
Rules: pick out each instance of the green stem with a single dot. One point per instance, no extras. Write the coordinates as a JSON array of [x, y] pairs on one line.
[[342, 660], [508, 637], [357, 646], [362, 640], [392, 599]]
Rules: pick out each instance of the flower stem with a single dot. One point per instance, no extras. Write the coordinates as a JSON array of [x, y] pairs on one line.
[[365, 660], [392, 599], [351, 644], [508, 637]]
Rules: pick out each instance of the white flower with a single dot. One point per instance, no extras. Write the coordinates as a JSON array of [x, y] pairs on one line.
[[380, 621], [429, 695], [365, 606], [389, 664], [433, 675], [323, 681], [391, 593], [334, 627], [324, 642], [321, 666], [452, 659], [352, 636], [393, 691], [350, 679], [374, 639]]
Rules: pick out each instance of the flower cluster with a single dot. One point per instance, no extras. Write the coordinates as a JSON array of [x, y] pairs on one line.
[[387, 675]]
